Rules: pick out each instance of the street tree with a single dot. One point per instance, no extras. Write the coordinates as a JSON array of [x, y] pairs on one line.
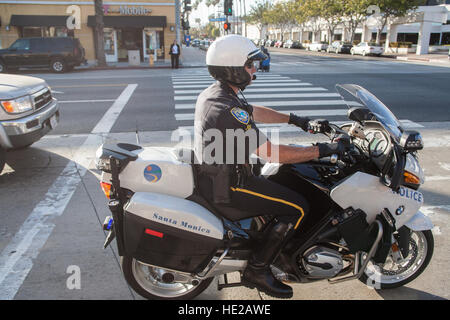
[[257, 15], [332, 14], [99, 36], [311, 12], [354, 14], [280, 16], [391, 9]]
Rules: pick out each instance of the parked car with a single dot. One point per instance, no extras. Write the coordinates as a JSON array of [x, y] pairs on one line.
[[318, 46], [196, 43], [27, 112], [340, 47], [60, 54], [292, 44], [365, 48], [204, 44], [270, 43], [278, 44]]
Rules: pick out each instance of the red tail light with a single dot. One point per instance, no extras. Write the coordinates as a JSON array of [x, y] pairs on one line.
[[76, 51], [154, 233]]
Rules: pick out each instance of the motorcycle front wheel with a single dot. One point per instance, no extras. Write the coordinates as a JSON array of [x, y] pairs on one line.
[[393, 274], [147, 282]]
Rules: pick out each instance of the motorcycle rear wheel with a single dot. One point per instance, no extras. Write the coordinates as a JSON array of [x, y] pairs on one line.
[[392, 274], [145, 281]]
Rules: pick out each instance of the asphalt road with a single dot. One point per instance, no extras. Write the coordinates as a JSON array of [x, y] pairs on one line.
[[51, 207]]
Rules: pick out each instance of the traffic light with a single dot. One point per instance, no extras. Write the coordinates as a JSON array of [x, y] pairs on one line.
[[227, 26], [228, 7], [187, 5]]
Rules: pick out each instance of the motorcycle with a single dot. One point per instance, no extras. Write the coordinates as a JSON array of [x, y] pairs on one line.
[[365, 220]]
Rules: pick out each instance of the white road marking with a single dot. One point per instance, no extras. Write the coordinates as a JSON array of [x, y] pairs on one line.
[[282, 104], [254, 85], [16, 260], [87, 101], [436, 178], [274, 96], [197, 91], [305, 113], [259, 81]]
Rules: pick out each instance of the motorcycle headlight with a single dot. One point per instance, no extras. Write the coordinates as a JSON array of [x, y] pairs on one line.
[[18, 105]]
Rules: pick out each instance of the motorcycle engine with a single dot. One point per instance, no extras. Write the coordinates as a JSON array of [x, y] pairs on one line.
[[321, 262]]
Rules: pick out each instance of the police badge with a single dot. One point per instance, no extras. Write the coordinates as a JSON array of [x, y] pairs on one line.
[[240, 115]]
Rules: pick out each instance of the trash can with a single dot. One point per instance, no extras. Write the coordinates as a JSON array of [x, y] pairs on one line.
[[134, 59]]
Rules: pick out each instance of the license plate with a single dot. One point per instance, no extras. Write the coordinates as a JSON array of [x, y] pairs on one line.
[[53, 122]]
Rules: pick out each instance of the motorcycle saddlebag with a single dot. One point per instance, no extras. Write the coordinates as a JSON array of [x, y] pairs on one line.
[[170, 232]]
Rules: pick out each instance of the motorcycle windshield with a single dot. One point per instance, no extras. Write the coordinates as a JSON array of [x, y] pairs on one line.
[[354, 95]]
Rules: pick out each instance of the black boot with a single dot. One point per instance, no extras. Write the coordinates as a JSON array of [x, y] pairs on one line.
[[258, 273]]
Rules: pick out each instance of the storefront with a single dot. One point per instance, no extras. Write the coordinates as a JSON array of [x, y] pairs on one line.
[[122, 34], [129, 26]]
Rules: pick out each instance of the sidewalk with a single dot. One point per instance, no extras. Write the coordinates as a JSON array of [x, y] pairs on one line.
[[440, 57], [190, 57]]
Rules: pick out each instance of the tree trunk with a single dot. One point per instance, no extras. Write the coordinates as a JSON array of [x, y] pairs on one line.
[[99, 25]]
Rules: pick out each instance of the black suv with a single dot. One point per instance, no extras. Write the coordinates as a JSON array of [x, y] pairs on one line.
[[59, 53]]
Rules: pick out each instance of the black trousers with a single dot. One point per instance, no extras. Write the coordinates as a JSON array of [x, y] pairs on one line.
[[174, 60], [264, 197]]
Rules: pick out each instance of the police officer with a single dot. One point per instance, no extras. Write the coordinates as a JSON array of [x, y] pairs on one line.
[[226, 176]]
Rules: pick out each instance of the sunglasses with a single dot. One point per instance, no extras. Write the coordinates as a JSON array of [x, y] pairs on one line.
[[250, 64]]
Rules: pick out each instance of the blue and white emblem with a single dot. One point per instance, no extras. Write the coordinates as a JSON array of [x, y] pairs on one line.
[[241, 115]]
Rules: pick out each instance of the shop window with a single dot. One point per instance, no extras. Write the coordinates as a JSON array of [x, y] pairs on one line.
[[445, 38], [108, 37], [434, 39], [31, 32], [408, 37]]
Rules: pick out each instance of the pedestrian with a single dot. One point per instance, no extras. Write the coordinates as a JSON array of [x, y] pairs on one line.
[[174, 52]]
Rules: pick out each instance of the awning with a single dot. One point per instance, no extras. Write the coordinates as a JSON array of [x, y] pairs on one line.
[[38, 21], [130, 21]]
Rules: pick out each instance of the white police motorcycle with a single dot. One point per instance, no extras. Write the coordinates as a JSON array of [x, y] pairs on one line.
[[366, 223]]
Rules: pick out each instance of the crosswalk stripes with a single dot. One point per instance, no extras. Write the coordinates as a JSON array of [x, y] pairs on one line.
[[271, 90]]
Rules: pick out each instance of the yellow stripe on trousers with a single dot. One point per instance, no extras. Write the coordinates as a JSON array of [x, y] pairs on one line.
[[274, 199]]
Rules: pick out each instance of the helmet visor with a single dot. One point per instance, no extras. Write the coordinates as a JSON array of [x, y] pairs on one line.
[[256, 55]]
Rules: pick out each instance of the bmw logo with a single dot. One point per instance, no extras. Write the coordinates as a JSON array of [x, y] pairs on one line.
[[399, 210], [152, 173]]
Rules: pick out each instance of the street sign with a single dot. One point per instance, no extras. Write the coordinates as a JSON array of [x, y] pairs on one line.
[[217, 19]]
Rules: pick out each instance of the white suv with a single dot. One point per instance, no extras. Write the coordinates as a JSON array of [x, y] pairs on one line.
[[27, 112]]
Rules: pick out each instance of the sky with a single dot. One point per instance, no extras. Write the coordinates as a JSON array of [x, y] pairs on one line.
[[203, 12]]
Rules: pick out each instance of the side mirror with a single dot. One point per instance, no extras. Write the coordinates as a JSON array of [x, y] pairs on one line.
[[360, 114], [411, 141]]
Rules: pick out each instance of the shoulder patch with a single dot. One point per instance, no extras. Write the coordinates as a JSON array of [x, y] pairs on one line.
[[240, 115]]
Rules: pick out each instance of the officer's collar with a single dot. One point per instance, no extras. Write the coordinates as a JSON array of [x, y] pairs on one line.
[[225, 86]]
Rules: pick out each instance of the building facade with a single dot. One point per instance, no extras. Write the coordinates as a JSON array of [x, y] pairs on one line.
[[147, 27]]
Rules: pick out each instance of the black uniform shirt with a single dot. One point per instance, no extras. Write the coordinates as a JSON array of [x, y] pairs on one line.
[[225, 132]]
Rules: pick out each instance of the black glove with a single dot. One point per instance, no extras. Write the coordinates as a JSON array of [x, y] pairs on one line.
[[328, 149], [301, 122], [319, 126]]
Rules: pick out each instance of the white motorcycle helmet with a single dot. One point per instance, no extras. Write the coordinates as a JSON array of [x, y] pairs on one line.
[[227, 56]]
